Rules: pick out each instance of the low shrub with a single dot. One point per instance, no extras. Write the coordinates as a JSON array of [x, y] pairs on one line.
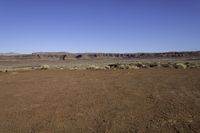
[[44, 67], [180, 66]]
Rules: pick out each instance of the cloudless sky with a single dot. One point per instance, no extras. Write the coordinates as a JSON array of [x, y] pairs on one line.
[[99, 25]]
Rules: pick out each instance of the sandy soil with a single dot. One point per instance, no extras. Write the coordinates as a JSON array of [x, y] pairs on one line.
[[135, 101]]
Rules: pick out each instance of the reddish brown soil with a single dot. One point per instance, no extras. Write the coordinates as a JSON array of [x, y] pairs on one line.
[[135, 101]]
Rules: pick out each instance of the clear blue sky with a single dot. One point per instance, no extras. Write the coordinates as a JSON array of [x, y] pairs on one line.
[[99, 25]]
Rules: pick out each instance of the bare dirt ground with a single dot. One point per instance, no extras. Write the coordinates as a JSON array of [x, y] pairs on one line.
[[102, 101]]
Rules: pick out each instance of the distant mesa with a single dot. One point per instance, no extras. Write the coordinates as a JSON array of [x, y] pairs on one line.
[[49, 53], [84, 56], [9, 54]]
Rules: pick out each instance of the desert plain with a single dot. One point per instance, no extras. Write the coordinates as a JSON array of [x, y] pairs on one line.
[[53, 93]]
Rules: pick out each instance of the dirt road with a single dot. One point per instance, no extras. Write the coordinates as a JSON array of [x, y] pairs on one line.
[[86, 101]]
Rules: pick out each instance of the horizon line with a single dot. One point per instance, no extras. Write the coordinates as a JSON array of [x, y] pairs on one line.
[[43, 52]]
